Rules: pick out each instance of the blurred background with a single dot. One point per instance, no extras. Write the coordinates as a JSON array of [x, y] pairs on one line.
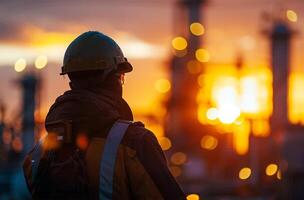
[[220, 83]]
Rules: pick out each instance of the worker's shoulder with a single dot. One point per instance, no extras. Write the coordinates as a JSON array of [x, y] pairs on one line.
[[137, 134]]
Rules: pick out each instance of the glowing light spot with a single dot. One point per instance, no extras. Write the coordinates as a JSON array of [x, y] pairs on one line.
[[271, 169], [245, 173], [194, 67], [209, 142], [162, 85], [228, 114], [291, 15], [212, 113], [261, 128], [178, 158], [175, 170], [279, 175], [41, 62], [51, 142], [82, 141], [179, 43], [20, 65], [17, 144], [241, 134], [197, 29], [193, 197], [202, 55], [165, 143]]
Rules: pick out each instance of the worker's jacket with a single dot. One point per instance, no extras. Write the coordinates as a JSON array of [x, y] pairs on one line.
[[141, 170]]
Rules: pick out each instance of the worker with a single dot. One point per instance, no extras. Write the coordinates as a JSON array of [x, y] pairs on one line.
[[93, 149]]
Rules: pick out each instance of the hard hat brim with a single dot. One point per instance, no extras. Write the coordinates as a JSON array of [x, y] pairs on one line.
[[124, 67]]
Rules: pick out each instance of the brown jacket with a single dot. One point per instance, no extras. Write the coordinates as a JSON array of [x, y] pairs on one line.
[[141, 170]]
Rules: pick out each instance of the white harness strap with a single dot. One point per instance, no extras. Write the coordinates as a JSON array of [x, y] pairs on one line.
[[107, 162]]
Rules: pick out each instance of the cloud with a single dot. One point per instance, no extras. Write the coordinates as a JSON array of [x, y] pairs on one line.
[[11, 31]]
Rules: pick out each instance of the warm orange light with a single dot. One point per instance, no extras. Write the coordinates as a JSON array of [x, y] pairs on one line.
[[209, 142], [296, 98], [41, 62], [193, 197], [179, 43], [82, 141], [165, 143], [244, 173], [41, 38], [197, 29], [261, 128], [51, 142], [271, 169], [178, 158], [291, 15], [20, 65], [202, 55], [201, 114], [241, 133], [162, 85]]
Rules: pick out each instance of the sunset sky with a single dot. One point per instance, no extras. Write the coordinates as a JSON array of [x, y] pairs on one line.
[[143, 29]]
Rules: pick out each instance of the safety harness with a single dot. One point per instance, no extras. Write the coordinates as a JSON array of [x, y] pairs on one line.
[[107, 161]]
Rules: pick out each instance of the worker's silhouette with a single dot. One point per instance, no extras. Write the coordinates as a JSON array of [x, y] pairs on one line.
[[93, 150]]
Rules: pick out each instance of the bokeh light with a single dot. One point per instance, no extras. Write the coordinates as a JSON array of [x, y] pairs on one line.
[[41, 62], [291, 15], [197, 29], [279, 175], [20, 65], [244, 173], [162, 85], [179, 43], [178, 158], [202, 55], [193, 197], [165, 143], [209, 142], [271, 169], [17, 144]]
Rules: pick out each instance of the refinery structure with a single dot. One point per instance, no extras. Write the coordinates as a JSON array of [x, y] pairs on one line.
[[226, 136]]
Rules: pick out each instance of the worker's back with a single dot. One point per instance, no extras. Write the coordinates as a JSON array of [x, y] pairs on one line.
[[92, 149], [140, 170]]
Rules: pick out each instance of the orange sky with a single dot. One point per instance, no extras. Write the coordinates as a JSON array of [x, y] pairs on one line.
[[33, 28]]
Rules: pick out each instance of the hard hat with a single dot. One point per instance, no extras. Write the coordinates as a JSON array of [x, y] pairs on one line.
[[93, 50]]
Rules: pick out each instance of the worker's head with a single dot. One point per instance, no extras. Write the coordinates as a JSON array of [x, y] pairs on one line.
[[94, 59]]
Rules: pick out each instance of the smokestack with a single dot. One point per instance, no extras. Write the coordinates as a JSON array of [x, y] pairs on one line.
[[29, 86], [280, 38]]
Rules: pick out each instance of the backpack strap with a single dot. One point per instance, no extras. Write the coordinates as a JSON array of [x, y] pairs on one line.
[[107, 162]]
